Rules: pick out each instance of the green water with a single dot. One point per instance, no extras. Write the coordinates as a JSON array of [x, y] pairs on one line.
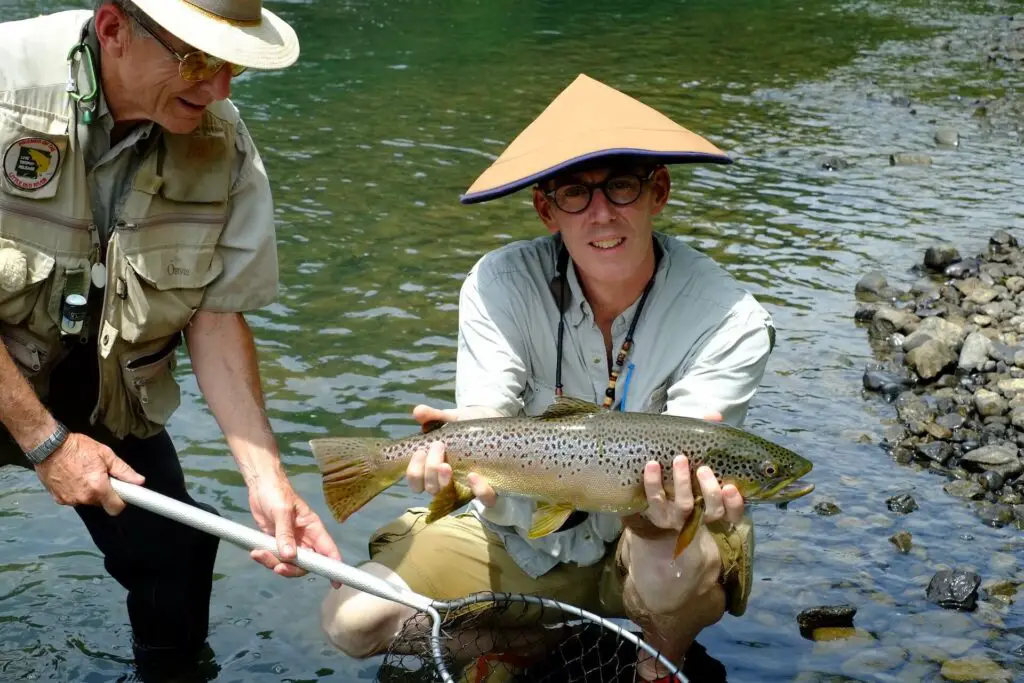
[[392, 112]]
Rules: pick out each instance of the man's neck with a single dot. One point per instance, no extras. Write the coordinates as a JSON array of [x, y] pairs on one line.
[[609, 299]]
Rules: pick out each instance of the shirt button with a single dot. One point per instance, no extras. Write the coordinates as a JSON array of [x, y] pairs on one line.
[[597, 359]]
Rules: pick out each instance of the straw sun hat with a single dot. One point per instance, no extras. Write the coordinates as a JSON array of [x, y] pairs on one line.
[[238, 31]]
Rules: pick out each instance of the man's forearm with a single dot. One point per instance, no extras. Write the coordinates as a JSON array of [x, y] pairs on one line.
[[225, 364], [21, 411]]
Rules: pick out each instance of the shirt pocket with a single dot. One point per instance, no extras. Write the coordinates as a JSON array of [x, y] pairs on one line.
[[33, 147], [538, 397], [148, 375]]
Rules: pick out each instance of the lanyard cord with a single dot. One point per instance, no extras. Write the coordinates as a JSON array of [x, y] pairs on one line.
[[627, 344]]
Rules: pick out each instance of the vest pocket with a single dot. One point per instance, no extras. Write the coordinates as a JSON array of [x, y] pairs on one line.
[[163, 289], [23, 274], [30, 354], [148, 374]]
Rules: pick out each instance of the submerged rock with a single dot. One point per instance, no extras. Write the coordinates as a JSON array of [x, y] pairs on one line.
[[826, 616], [954, 589]]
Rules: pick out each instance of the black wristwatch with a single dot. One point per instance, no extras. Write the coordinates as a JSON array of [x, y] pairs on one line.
[[49, 445]]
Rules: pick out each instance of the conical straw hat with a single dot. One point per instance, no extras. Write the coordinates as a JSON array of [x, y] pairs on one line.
[[589, 120]]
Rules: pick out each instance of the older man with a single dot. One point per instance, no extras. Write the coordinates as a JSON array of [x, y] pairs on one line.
[[607, 310], [134, 210]]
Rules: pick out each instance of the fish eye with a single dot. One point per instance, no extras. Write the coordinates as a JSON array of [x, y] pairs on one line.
[[769, 469]]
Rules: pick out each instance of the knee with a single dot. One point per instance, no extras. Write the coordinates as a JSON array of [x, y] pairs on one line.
[[359, 624]]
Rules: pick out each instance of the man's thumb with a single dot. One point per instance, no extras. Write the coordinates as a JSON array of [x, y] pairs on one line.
[[119, 469], [285, 533]]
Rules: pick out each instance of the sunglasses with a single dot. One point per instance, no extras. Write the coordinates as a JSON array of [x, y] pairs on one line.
[[193, 66]]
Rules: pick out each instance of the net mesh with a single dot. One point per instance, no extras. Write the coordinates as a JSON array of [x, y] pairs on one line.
[[501, 640]]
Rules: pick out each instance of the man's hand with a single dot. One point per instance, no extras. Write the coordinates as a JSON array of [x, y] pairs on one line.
[[427, 468], [78, 473], [280, 512]]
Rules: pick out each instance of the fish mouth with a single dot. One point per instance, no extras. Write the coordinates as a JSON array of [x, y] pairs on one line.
[[784, 492]]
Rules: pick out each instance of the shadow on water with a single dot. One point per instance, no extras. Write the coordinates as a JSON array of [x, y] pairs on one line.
[[394, 109]]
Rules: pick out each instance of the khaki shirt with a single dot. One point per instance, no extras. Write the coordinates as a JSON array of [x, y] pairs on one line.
[[248, 244], [701, 345]]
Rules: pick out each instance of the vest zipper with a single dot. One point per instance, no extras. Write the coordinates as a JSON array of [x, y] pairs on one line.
[[140, 223], [56, 219]]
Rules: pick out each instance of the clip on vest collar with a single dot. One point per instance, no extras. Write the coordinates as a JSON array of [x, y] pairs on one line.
[[87, 101]]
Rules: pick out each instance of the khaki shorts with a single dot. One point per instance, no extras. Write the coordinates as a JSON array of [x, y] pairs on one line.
[[457, 555]]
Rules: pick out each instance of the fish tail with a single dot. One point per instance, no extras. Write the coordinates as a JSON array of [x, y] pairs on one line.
[[354, 472]]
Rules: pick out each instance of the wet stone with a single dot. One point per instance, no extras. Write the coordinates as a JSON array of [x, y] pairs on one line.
[[991, 481], [994, 514], [825, 616], [827, 509], [940, 256], [965, 268], [930, 358], [871, 286], [903, 503], [902, 540], [989, 403], [975, 352], [874, 660], [966, 489], [951, 421], [935, 451], [975, 669], [954, 589], [889, 384]]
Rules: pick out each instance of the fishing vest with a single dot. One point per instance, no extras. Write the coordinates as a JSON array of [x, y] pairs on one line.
[[161, 250]]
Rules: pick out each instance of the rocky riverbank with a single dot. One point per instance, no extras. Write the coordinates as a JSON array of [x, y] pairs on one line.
[[951, 361]]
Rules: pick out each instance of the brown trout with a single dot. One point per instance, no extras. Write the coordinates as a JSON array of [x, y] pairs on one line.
[[575, 456]]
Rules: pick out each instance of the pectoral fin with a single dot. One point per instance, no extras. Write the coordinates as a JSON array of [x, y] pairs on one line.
[[447, 500], [548, 518], [689, 529]]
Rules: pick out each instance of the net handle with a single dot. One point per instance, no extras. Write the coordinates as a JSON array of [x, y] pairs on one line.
[[250, 539]]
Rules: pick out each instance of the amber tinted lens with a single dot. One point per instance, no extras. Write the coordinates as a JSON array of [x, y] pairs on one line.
[[572, 198], [199, 66]]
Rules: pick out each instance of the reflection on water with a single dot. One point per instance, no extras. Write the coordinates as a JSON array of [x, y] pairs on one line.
[[394, 109]]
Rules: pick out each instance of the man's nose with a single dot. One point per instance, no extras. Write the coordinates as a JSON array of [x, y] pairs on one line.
[[219, 85], [601, 210]]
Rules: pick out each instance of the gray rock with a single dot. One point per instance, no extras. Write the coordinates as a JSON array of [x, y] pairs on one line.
[[902, 540], [951, 421], [1009, 387], [947, 136], [909, 159], [888, 320], [954, 589], [935, 451], [965, 488], [887, 383], [903, 503], [1015, 284], [940, 256], [972, 669], [912, 408], [826, 616], [1017, 417], [989, 403], [871, 285], [827, 508], [994, 514], [833, 163], [998, 457], [930, 358], [975, 352], [949, 333], [965, 268], [991, 481], [976, 291]]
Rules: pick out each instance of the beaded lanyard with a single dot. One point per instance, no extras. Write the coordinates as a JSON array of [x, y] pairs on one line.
[[627, 344]]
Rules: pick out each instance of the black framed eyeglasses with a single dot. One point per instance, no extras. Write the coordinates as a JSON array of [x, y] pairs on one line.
[[621, 189], [193, 66]]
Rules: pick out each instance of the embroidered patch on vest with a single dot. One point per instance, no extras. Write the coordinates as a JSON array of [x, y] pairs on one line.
[[31, 163]]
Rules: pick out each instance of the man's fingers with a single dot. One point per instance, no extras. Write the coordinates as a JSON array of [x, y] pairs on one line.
[[119, 469], [415, 472], [652, 484], [713, 508], [482, 491], [435, 458], [98, 482], [732, 499], [713, 417], [682, 493]]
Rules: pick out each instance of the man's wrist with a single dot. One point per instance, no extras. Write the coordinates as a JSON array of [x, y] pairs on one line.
[[41, 451]]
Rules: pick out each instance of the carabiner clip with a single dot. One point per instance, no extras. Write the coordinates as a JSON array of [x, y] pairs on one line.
[[87, 101]]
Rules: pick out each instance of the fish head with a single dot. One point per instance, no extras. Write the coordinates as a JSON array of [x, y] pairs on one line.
[[764, 472]]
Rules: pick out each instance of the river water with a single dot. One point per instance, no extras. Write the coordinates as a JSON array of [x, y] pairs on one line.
[[394, 109]]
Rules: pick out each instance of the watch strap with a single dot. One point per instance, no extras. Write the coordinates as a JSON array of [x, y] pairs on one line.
[[49, 445]]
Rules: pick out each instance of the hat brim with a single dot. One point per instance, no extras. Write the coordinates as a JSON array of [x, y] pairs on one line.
[[269, 44], [651, 156]]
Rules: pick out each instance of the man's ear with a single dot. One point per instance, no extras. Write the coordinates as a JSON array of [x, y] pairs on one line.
[[661, 185], [545, 210], [113, 30]]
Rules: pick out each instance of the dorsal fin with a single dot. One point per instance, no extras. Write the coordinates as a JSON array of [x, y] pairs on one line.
[[568, 407]]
